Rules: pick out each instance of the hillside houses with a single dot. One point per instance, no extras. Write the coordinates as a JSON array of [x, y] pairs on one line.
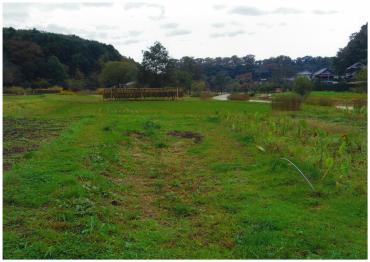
[[324, 75], [352, 70]]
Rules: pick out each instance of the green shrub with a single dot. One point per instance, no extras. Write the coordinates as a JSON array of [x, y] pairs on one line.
[[302, 86], [198, 87]]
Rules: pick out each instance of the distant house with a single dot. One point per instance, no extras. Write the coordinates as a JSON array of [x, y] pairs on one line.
[[350, 71], [290, 79], [324, 75], [304, 73], [128, 84]]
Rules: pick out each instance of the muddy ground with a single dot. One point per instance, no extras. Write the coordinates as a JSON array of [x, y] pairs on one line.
[[21, 136]]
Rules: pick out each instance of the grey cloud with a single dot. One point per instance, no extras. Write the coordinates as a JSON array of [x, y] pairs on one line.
[[128, 35], [106, 27], [57, 29], [282, 24], [53, 6], [324, 12], [73, 31], [54, 28], [94, 35], [20, 12], [217, 35], [286, 11], [253, 11], [134, 33], [15, 16], [218, 25], [169, 25], [131, 5], [248, 11], [15, 12], [235, 33], [264, 25], [134, 5], [178, 32], [101, 35], [228, 34], [97, 4], [131, 41], [236, 23], [116, 37], [219, 7]]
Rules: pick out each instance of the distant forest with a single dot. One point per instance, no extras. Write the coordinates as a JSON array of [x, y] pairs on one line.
[[36, 59], [39, 59]]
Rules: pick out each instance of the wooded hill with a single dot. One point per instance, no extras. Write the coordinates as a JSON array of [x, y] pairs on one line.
[[39, 59]]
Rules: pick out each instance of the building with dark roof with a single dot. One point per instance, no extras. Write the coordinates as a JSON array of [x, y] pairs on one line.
[[304, 73], [324, 75], [352, 70]]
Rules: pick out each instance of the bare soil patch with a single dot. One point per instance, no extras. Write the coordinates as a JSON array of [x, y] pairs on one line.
[[187, 134], [135, 133], [25, 135]]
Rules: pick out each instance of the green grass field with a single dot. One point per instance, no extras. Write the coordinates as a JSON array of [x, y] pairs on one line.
[[181, 179]]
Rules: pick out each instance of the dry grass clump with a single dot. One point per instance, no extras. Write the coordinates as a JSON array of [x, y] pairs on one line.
[[238, 97], [50, 90], [286, 103], [359, 103], [320, 101], [18, 90], [100, 91], [15, 90], [67, 92], [207, 95]]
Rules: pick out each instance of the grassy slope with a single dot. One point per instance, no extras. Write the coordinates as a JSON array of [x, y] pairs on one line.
[[101, 191]]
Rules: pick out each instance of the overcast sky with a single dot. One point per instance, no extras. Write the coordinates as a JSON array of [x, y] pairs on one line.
[[201, 28]]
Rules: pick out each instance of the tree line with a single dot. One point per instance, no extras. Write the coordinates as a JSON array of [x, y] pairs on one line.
[[37, 59]]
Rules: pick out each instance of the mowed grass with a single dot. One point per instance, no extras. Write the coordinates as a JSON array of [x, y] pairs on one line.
[[122, 180]]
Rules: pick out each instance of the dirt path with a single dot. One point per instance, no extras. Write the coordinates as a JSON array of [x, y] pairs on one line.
[[221, 97], [260, 101]]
